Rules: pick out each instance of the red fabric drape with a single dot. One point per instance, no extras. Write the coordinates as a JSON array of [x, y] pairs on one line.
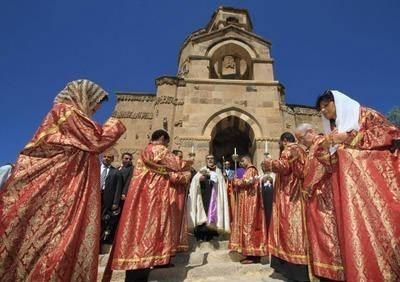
[[367, 200], [249, 231], [50, 206], [321, 223], [145, 237], [287, 229]]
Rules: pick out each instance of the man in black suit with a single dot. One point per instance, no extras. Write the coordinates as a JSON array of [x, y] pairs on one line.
[[126, 172], [114, 196], [110, 199]]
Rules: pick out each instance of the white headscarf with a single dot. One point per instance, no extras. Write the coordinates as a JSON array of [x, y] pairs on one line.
[[347, 115]]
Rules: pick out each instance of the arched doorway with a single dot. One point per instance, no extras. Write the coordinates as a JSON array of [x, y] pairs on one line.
[[229, 133]]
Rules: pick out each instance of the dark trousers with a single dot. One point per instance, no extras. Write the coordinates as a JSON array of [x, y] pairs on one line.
[[137, 275], [296, 272], [267, 194]]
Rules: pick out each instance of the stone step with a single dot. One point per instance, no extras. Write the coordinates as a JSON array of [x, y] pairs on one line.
[[198, 257], [196, 248], [215, 244], [208, 272], [201, 257]]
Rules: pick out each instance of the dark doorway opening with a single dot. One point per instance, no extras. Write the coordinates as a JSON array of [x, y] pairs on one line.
[[228, 134]]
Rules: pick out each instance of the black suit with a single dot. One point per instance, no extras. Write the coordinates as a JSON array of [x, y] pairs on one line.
[[110, 188], [126, 173], [109, 198]]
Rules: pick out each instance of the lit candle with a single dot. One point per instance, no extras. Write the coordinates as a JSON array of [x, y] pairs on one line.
[[266, 146], [192, 149], [235, 151]]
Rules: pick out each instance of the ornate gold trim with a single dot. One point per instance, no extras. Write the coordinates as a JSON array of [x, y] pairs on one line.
[[329, 266], [53, 129]]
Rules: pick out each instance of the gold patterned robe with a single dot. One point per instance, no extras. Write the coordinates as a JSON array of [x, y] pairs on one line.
[[178, 193], [249, 235], [50, 206], [320, 180], [145, 233], [287, 239], [368, 200]]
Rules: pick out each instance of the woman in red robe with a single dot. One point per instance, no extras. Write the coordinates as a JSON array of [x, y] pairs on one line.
[[50, 206], [367, 200], [145, 234], [249, 234], [322, 229]]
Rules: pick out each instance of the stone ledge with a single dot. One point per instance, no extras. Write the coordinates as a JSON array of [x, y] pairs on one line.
[[232, 82]]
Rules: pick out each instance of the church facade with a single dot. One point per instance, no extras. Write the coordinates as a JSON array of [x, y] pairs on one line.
[[225, 96]]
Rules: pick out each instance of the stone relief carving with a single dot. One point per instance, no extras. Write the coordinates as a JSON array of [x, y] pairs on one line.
[[231, 67], [183, 71], [165, 123], [135, 98], [179, 123], [261, 140], [299, 110], [228, 65], [197, 142], [170, 80], [129, 150], [177, 141], [168, 100], [133, 115]]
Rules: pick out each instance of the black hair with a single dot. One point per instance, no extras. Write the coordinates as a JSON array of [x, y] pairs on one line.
[[245, 156], [127, 154], [327, 96], [288, 137], [175, 152], [158, 134]]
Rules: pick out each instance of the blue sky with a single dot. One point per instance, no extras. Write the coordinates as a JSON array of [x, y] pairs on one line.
[[123, 45]]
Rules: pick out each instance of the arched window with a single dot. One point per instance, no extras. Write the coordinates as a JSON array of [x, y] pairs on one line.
[[232, 20], [231, 61]]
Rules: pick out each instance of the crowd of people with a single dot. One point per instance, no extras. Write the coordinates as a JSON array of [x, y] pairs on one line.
[[331, 212]]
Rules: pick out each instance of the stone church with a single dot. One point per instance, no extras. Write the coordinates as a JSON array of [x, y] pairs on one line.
[[224, 96]]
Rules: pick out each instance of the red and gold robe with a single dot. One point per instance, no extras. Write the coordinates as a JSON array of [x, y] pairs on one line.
[[178, 192], [50, 206], [367, 200], [322, 230], [231, 200], [249, 234], [145, 234], [287, 236]]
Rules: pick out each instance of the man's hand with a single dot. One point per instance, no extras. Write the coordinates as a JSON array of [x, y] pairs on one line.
[[339, 138], [114, 207], [123, 197]]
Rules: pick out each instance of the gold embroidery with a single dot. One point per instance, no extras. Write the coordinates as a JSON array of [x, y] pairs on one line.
[[53, 129], [143, 258], [280, 251], [357, 139], [324, 265]]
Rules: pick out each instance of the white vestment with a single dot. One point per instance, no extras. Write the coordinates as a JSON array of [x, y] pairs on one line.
[[195, 208]]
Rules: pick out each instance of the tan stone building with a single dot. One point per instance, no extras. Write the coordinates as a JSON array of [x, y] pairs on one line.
[[224, 96]]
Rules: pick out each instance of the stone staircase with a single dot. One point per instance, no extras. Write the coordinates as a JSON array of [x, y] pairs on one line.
[[206, 262]]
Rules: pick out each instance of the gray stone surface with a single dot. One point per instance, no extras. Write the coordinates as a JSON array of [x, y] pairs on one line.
[[208, 262]]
